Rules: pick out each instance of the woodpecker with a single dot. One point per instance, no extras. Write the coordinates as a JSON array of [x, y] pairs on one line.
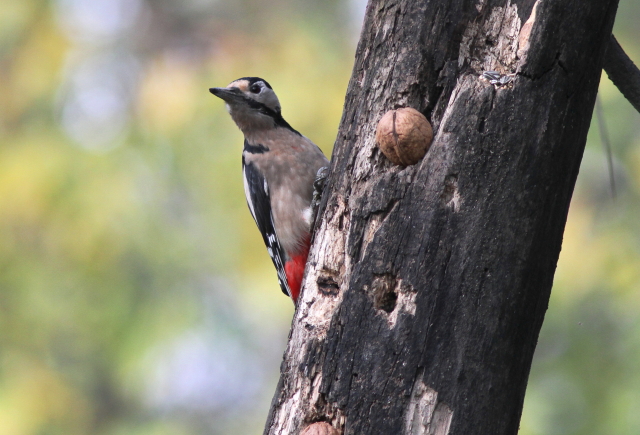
[[279, 167]]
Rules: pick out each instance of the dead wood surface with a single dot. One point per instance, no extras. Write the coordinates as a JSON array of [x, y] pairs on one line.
[[427, 285]]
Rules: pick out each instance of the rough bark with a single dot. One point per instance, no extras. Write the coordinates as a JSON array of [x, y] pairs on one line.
[[427, 285]]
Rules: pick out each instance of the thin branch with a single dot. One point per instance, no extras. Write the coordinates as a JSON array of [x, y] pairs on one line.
[[623, 72], [606, 143]]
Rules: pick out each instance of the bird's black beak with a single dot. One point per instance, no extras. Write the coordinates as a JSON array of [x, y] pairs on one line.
[[227, 94]]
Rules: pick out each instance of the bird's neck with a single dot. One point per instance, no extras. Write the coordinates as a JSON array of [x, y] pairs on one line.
[[249, 121]]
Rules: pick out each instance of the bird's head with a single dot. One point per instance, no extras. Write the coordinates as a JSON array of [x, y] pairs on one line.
[[251, 102]]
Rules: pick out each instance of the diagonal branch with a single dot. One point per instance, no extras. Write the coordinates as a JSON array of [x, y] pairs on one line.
[[623, 72]]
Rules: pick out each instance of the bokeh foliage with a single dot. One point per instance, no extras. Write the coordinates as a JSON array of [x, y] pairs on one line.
[[135, 293]]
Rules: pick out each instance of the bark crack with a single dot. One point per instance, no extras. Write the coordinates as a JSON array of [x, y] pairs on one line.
[[556, 63]]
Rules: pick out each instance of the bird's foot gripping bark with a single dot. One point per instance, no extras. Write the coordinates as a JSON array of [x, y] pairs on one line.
[[318, 188]]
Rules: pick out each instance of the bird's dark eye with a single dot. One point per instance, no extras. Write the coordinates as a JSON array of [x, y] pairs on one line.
[[255, 88]]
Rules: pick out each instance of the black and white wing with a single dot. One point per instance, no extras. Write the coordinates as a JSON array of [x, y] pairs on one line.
[[257, 192]]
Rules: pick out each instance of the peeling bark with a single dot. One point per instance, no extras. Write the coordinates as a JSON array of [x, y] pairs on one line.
[[427, 285]]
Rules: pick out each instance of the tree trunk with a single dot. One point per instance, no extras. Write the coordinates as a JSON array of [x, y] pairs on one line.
[[427, 285]]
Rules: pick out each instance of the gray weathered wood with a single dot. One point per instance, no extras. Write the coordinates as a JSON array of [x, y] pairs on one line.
[[427, 285]]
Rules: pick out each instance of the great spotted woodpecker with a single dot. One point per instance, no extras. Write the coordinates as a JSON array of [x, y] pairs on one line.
[[279, 166]]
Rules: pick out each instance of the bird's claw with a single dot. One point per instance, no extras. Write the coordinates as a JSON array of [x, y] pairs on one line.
[[318, 188]]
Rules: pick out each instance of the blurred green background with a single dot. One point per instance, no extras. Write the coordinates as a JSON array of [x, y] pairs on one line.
[[136, 296]]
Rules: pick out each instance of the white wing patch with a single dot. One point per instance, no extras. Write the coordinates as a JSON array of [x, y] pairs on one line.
[[247, 192], [256, 191]]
